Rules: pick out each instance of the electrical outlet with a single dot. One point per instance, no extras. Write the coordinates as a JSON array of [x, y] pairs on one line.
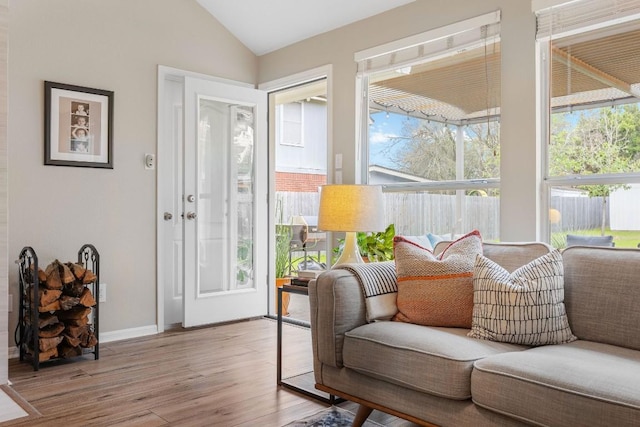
[[103, 293], [10, 303]]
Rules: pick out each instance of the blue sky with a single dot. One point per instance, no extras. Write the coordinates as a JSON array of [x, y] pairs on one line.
[[381, 131]]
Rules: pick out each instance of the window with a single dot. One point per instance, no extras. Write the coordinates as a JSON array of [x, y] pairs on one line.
[[589, 56], [430, 128], [291, 125]]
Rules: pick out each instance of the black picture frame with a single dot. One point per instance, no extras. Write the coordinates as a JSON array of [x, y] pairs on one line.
[[78, 123]]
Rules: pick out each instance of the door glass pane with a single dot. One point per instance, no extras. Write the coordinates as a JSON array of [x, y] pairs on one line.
[[225, 196]]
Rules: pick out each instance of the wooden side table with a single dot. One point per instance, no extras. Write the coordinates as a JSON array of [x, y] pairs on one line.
[[302, 383]]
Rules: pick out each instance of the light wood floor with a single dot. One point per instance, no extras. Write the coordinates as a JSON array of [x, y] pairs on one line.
[[222, 375]]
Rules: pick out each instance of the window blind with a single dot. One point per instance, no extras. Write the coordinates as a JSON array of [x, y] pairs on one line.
[[442, 41], [575, 16]]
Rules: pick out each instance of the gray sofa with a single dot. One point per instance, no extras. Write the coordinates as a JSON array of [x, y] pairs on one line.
[[440, 376]]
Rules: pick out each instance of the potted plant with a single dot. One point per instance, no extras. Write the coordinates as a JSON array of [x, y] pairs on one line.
[[283, 246], [374, 247], [377, 247]]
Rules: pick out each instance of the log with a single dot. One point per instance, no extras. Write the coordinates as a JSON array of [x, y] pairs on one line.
[[89, 277], [75, 331], [67, 302], [48, 343], [77, 322], [46, 319], [67, 351], [75, 313], [78, 270], [43, 356], [54, 306], [53, 277], [74, 289], [51, 330], [65, 273], [47, 296], [72, 341], [90, 341], [87, 299]]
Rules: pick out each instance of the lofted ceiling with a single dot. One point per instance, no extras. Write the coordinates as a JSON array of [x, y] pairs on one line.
[[264, 26]]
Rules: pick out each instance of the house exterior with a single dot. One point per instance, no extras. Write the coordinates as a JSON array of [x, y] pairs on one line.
[[118, 45], [301, 146]]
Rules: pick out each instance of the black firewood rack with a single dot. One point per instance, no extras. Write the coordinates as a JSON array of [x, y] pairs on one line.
[[28, 331]]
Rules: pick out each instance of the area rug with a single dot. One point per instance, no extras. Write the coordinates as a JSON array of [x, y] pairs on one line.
[[330, 417]]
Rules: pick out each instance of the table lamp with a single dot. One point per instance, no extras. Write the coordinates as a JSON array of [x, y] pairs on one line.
[[351, 208]]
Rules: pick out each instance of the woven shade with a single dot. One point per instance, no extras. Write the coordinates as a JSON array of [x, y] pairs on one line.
[[466, 86], [351, 208]]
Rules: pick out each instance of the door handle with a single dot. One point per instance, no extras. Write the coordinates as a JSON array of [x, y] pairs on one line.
[[191, 215], [168, 216]]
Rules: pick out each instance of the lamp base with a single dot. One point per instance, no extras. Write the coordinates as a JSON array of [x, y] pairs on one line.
[[350, 252]]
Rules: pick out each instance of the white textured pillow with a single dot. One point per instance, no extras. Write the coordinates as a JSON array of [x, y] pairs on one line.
[[524, 307]]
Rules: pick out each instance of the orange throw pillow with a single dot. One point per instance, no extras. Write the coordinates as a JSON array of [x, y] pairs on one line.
[[436, 290]]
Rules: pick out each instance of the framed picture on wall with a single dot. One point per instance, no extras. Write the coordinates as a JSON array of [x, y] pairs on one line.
[[78, 123]]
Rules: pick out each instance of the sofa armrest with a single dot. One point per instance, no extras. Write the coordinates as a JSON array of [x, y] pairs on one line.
[[337, 306]]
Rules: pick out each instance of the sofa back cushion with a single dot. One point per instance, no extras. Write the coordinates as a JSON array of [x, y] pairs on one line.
[[509, 256], [602, 294]]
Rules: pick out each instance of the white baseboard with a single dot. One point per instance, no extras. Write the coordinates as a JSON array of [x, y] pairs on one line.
[[105, 337], [125, 334]]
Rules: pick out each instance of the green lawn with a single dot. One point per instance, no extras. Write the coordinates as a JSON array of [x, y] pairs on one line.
[[622, 238]]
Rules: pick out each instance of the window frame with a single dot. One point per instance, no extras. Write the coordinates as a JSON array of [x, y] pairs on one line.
[[544, 114], [414, 43]]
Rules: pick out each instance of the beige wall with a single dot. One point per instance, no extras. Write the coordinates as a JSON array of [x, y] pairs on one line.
[[115, 45], [519, 189]]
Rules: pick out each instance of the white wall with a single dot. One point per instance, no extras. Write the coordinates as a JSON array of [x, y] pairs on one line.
[[115, 45], [519, 191]]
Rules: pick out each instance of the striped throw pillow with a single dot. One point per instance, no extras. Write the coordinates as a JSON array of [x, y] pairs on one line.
[[436, 290], [524, 307]]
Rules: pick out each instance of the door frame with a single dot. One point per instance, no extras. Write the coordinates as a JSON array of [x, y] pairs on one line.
[[322, 72], [169, 74]]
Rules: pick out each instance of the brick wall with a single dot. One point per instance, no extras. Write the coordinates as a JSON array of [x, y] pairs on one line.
[[299, 182]]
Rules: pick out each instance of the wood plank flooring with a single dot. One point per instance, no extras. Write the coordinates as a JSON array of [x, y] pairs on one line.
[[216, 376]]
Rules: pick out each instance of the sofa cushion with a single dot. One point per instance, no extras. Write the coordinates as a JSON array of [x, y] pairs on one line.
[[580, 383], [433, 360], [576, 240], [436, 290], [602, 294], [524, 307]]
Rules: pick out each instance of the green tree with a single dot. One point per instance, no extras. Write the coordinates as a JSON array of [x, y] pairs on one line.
[[602, 141]]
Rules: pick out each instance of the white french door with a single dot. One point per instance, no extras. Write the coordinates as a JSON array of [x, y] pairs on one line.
[[218, 198]]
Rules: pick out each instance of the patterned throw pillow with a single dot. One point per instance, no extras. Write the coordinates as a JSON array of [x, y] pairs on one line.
[[524, 307], [436, 290]]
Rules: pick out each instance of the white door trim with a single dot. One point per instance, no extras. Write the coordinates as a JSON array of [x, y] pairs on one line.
[[322, 72]]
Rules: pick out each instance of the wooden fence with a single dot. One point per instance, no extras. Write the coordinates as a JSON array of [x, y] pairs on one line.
[[420, 213]]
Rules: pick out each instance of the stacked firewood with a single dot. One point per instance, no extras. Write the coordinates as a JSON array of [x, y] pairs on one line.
[[65, 304]]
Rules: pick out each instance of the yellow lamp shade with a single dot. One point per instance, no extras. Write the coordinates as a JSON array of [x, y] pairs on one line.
[[351, 208]]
